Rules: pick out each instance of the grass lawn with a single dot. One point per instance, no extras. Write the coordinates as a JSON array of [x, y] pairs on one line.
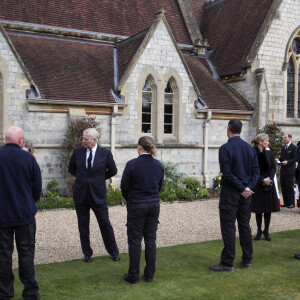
[[182, 273]]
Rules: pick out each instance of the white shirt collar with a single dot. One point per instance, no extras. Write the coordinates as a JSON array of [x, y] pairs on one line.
[[94, 149]]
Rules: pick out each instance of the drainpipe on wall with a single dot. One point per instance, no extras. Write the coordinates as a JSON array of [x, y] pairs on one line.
[[113, 132], [205, 153]]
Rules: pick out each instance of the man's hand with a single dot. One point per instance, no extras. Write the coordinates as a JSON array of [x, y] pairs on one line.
[[247, 193], [284, 162]]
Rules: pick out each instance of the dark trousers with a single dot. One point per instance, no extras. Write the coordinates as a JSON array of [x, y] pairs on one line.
[[25, 241], [101, 213], [287, 188], [142, 221], [233, 206]]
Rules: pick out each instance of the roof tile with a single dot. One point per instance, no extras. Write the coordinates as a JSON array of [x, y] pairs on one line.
[[65, 69]]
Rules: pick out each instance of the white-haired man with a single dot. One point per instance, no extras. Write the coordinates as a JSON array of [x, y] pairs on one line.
[[92, 165], [20, 188]]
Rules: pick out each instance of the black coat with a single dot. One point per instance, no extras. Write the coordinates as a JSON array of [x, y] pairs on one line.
[[290, 155], [264, 199], [103, 168]]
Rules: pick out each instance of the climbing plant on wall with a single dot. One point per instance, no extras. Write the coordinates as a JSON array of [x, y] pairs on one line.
[[275, 137]]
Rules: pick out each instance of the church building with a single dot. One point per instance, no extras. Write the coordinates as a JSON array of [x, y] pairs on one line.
[[175, 70]]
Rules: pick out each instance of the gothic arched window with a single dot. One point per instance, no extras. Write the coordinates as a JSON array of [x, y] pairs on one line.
[[290, 89], [293, 78], [147, 107], [168, 109]]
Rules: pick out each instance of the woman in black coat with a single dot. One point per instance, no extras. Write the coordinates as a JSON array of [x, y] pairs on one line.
[[141, 183], [264, 200]]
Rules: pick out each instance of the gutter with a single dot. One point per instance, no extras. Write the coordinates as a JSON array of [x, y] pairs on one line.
[[217, 110], [75, 103]]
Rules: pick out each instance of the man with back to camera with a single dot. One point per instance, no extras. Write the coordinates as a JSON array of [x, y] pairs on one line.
[[240, 169], [92, 165], [288, 160], [20, 188]]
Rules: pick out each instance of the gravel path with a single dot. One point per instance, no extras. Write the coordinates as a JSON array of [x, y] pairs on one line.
[[57, 236]]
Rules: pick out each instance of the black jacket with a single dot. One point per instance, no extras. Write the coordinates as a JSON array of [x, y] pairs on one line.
[[142, 179], [104, 167], [20, 186], [238, 163], [290, 155]]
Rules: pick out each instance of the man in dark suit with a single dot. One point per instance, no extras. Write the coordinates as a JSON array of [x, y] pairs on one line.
[[240, 169], [20, 188], [92, 165], [288, 160]]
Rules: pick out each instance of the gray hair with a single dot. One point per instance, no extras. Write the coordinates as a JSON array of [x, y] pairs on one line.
[[92, 132]]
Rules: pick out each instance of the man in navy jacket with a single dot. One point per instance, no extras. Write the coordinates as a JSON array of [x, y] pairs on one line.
[[92, 165], [20, 188], [240, 169]]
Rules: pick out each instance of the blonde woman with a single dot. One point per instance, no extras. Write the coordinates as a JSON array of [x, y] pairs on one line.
[[264, 200], [141, 183], [27, 146]]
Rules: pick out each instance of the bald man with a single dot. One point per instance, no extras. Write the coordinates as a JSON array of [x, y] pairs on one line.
[[20, 188]]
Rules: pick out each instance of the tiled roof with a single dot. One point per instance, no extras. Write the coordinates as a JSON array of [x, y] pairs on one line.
[[231, 28], [126, 51], [197, 7], [118, 17], [215, 93], [65, 69]]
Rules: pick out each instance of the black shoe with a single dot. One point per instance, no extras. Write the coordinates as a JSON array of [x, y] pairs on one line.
[[36, 297], [128, 279], [115, 257], [258, 235], [266, 235], [221, 268], [291, 206], [297, 256], [148, 279], [245, 265], [283, 205], [88, 259]]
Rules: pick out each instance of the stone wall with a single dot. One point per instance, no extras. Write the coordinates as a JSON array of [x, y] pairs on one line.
[[271, 56]]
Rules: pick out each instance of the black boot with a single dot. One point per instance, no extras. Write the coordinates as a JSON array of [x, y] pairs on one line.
[[258, 235], [267, 218], [258, 222], [266, 235]]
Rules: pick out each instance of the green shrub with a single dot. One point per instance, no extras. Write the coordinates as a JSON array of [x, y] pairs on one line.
[[168, 192], [192, 183], [172, 173], [196, 187], [183, 193], [52, 198], [114, 196], [187, 189], [57, 202], [52, 186]]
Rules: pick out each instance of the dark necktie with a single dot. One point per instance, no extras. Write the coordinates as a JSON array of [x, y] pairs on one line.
[[90, 160], [285, 147]]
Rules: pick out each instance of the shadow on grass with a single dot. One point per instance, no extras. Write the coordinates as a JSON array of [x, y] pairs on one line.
[[182, 273]]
